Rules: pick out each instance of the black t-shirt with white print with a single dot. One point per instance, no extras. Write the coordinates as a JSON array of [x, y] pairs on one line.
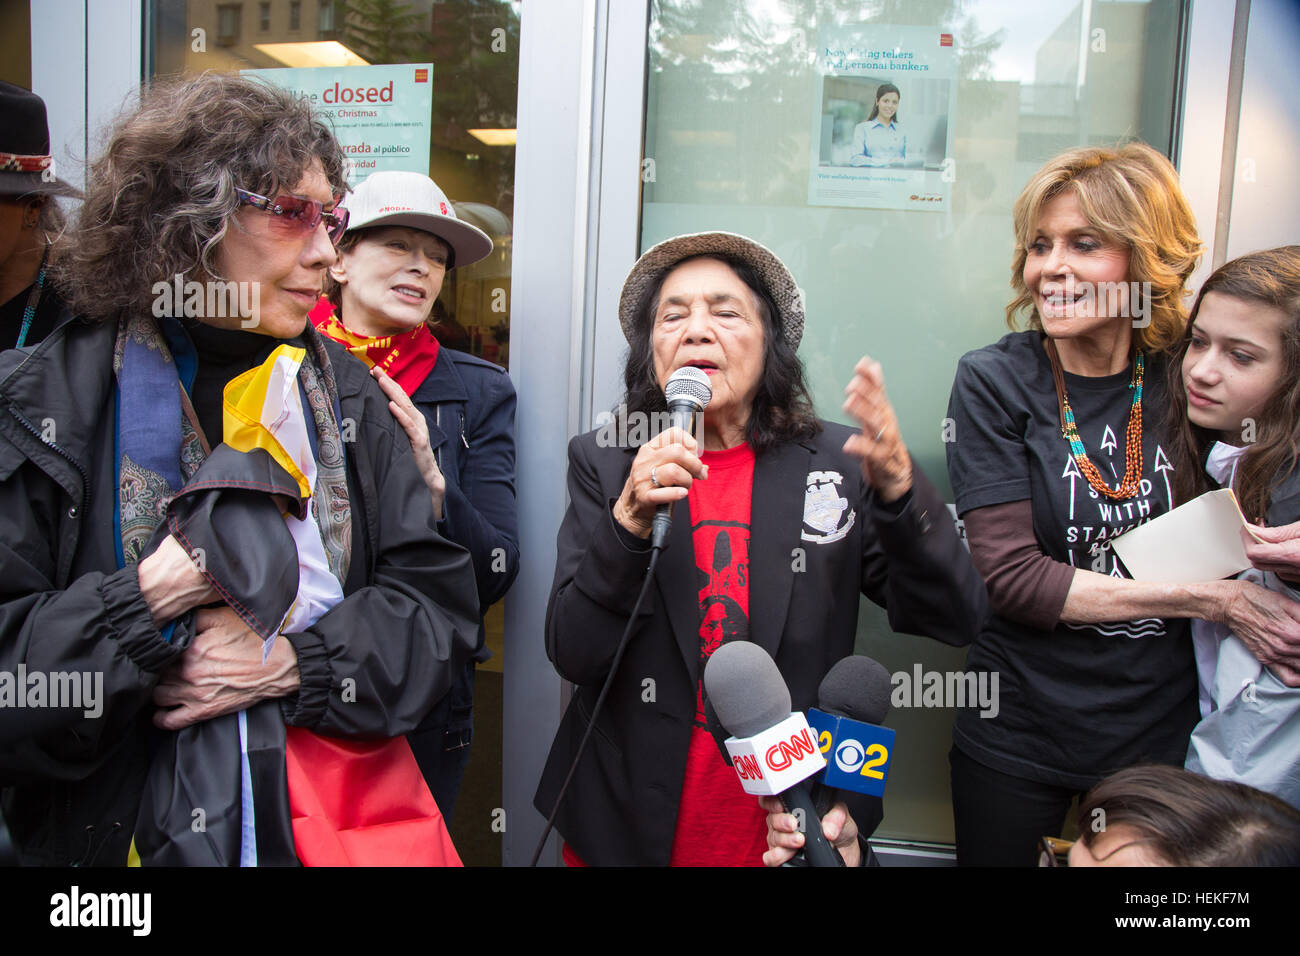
[[1081, 701]]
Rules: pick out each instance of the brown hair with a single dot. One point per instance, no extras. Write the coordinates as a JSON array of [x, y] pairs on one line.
[[1131, 195], [1189, 820], [159, 200], [1270, 278], [884, 89]]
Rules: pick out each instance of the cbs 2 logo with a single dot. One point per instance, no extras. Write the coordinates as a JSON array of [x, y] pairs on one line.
[[850, 756]]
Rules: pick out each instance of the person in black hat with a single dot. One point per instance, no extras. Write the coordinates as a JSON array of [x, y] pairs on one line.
[[29, 219]]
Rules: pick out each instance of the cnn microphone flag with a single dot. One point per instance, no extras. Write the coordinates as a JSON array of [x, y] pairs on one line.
[[774, 760]]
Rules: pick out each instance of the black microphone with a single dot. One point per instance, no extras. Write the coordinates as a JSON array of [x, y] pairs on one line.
[[688, 393], [772, 749]]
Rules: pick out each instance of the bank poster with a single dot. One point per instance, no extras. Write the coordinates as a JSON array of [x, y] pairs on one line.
[[382, 115], [882, 118]]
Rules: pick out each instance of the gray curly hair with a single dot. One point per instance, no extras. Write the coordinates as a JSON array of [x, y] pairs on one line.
[[159, 201]]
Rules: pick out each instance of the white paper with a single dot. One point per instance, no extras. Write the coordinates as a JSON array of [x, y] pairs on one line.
[[1198, 541]]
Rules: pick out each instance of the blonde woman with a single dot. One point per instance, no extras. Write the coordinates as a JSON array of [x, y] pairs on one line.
[[1058, 451]]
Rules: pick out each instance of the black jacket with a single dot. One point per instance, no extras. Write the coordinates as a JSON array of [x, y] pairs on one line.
[[622, 805], [469, 405], [408, 619]]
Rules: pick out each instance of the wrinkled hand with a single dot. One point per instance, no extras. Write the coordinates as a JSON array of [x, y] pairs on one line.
[[222, 672], [170, 582], [672, 458], [784, 838], [417, 430], [1280, 552], [1268, 624], [886, 465]]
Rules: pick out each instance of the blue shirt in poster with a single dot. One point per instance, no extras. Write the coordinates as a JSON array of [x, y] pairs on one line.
[[875, 144]]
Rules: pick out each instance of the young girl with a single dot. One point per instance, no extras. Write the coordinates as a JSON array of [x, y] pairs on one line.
[[1236, 395]]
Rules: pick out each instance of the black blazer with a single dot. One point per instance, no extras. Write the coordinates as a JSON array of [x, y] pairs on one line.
[[621, 808]]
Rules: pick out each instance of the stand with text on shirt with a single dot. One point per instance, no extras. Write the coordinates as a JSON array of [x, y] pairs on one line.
[[882, 118]]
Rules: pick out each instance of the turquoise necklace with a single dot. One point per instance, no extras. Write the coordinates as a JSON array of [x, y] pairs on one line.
[[33, 298]]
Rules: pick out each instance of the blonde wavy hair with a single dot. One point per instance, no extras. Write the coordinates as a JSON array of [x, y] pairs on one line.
[[1131, 196]]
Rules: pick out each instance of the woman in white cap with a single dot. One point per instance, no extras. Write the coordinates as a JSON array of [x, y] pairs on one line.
[[403, 238], [785, 520]]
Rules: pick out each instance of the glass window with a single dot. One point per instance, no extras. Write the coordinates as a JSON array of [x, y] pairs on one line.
[[16, 44], [263, 17], [759, 120], [295, 14], [228, 23]]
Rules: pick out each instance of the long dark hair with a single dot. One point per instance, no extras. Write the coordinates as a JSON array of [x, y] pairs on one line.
[[782, 410], [882, 90], [1189, 820], [1270, 278]]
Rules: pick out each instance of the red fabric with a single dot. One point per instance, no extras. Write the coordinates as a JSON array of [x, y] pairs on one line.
[[362, 803], [407, 358], [570, 858], [718, 824]]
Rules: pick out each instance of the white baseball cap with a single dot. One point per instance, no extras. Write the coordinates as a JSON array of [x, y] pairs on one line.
[[414, 200]]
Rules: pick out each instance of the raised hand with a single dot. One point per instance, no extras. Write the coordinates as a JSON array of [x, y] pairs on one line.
[[886, 465]]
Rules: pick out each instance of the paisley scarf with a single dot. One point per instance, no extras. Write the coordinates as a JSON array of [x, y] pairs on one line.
[[160, 445]]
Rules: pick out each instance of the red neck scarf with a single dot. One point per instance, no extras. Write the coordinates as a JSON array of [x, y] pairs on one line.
[[407, 358]]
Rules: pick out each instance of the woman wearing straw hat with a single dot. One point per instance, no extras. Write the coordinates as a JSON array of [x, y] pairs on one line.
[[786, 520], [29, 219], [403, 238]]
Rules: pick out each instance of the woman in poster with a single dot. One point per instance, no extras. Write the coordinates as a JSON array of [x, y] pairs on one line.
[[880, 141]]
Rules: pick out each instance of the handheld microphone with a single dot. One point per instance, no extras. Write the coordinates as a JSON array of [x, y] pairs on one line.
[[773, 750], [852, 700], [688, 393]]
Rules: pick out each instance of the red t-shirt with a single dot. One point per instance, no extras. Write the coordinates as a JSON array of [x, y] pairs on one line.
[[718, 824]]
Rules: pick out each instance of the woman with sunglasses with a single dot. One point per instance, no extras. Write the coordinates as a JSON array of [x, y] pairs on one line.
[[210, 514], [458, 410]]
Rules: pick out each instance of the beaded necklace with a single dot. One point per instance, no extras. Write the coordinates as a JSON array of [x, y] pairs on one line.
[[33, 299], [1128, 488]]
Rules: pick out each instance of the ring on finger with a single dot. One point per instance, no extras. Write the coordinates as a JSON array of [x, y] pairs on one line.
[[654, 479], [879, 433]]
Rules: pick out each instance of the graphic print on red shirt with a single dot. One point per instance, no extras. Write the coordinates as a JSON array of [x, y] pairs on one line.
[[718, 824], [723, 577]]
